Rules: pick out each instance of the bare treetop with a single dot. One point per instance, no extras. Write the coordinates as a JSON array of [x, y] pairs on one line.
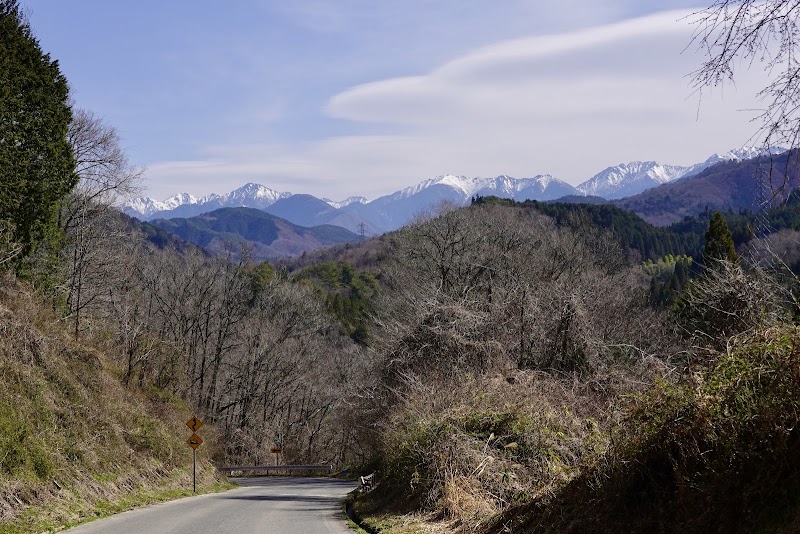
[[740, 33], [100, 162]]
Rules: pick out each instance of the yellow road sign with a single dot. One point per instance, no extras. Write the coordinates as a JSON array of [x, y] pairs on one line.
[[194, 441], [194, 423]]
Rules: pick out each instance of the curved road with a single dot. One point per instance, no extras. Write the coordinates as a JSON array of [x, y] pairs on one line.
[[271, 505]]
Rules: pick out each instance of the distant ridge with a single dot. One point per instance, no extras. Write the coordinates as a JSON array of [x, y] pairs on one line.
[[392, 211], [250, 195], [264, 235], [730, 184]]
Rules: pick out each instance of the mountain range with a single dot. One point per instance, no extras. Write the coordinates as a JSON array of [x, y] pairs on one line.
[[392, 211], [747, 185]]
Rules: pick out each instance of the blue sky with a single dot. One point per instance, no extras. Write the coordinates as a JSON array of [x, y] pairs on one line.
[[364, 97]]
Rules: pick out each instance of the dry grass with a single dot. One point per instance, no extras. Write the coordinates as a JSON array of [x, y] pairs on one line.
[[74, 442], [712, 451], [470, 452]]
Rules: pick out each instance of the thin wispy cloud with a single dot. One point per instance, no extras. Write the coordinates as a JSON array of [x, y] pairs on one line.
[[568, 104], [363, 97]]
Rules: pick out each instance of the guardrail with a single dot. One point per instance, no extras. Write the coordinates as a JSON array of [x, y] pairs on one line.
[[367, 481], [232, 468]]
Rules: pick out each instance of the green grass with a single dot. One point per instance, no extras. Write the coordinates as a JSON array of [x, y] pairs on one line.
[[40, 519], [75, 443]]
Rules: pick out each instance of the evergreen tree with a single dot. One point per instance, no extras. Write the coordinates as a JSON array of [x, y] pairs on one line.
[[719, 242], [36, 164]]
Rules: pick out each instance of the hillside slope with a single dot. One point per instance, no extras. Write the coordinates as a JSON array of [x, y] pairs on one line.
[[728, 185], [266, 235], [75, 443], [716, 452]]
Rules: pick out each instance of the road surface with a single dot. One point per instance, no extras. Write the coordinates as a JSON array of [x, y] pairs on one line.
[[273, 505]]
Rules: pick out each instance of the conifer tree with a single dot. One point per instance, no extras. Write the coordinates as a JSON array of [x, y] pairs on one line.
[[719, 242], [37, 168]]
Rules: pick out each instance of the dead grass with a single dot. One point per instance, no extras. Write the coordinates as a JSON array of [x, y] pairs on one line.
[[75, 444], [468, 453], [712, 451]]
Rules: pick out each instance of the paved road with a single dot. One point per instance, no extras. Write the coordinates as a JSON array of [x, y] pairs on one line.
[[273, 505]]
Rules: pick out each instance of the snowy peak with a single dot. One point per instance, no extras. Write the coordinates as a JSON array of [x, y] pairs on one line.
[[464, 187], [147, 206], [628, 179], [737, 154], [462, 184], [141, 207], [249, 195], [748, 152], [346, 202], [179, 200]]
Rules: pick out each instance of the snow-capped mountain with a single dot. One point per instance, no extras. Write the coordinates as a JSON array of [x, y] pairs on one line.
[[397, 209], [249, 195], [346, 202], [147, 206], [393, 211], [463, 188], [737, 154], [541, 187], [628, 179]]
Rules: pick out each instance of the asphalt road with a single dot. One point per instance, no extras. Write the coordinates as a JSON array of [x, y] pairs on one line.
[[273, 505]]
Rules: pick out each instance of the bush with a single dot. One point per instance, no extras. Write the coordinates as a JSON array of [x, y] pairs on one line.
[[728, 300], [474, 452], [715, 451]]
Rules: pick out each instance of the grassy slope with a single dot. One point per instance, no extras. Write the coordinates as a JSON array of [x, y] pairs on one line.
[[716, 452], [75, 444]]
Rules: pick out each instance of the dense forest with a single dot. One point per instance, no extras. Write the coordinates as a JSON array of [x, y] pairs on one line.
[[523, 367]]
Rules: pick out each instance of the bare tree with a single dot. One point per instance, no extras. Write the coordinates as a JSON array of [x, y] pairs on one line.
[[9, 248], [488, 287], [100, 161], [737, 34], [93, 234]]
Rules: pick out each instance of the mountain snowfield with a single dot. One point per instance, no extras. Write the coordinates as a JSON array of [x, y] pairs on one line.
[[396, 209], [245, 196], [467, 187], [346, 202], [628, 179]]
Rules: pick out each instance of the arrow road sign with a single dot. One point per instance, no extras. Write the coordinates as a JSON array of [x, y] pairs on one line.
[[194, 423], [194, 441]]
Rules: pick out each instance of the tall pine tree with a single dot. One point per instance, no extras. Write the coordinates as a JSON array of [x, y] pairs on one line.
[[719, 243], [36, 164]]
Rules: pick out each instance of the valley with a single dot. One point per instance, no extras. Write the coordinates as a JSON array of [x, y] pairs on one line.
[[474, 353]]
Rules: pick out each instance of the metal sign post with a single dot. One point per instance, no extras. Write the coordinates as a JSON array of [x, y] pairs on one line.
[[194, 441]]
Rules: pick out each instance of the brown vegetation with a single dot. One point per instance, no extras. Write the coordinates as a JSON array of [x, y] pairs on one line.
[[74, 443]]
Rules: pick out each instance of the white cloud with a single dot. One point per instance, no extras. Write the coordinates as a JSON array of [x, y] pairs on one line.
[[568, 104]]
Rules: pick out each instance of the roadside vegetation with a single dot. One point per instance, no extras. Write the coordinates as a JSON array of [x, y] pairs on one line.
[[501, 367], [75, 444]]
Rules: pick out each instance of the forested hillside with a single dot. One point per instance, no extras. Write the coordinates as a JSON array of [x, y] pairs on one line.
[[529, 383], [504, 366], [253, 232], [750, 185]]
